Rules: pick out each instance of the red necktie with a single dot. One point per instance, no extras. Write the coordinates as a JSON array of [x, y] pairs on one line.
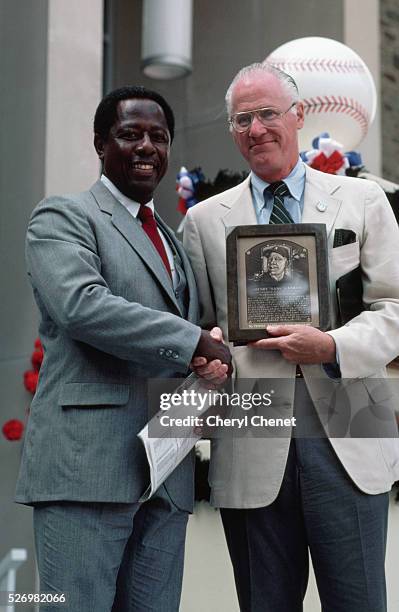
[[149, 225]]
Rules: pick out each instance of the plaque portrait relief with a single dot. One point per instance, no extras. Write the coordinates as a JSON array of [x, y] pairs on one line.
[[276, 274], [277, 277]]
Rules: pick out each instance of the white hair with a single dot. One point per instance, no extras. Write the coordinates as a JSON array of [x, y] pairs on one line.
[[285, 79]]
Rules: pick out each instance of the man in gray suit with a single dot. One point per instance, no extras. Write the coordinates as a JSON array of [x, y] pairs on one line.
[[282, 497], [118, 305]]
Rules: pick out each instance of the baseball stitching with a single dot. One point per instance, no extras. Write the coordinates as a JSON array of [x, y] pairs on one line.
[[338, 104], [317, 65]]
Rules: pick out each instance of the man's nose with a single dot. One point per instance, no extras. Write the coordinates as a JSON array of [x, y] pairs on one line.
[[257, 127], [146, 145]]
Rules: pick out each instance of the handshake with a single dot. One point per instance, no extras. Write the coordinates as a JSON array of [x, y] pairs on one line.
[[212, 358]]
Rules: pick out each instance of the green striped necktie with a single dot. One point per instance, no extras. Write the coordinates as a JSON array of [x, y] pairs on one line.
[[279, 213]]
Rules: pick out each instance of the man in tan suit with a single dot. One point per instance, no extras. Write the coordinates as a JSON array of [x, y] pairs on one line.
[[283, 497]]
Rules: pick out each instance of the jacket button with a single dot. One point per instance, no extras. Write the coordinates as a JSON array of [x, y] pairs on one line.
[[175, 355], [161, 351], [168, 353]]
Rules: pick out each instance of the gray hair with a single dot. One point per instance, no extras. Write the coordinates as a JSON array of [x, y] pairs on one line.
[[285, 79]]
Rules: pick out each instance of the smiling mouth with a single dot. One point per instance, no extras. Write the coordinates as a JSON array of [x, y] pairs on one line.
[[143, 167]]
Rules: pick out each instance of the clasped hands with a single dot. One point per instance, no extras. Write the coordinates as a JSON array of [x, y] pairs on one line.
[[212, 358], [300, 344]]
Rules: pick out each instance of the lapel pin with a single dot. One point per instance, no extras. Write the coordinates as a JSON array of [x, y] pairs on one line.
[[321, 207]]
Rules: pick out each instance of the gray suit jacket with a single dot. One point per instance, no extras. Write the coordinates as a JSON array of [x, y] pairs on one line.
[[248, 473], [110, 319]]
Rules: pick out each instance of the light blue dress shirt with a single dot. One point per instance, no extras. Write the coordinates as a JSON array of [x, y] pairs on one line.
[[263, 204]]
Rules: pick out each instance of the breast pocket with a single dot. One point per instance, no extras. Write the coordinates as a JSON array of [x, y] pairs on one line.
[[344, 259]]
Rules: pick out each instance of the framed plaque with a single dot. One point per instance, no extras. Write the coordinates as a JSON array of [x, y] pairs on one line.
[[276, 274]]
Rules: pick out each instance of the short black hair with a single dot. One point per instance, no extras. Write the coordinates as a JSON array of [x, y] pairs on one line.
[[105, 116]]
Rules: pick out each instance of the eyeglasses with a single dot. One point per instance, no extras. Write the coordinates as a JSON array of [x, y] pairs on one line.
[[241, 122]]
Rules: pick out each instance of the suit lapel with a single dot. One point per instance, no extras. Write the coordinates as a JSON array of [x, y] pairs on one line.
[[240, 208], [321, 204], [131, 230]]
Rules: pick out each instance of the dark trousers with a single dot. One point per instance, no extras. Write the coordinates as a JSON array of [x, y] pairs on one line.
[[318, 509], [105, 556]]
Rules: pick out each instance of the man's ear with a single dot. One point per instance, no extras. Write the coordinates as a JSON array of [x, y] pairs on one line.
[[300, 114], [99, 146]]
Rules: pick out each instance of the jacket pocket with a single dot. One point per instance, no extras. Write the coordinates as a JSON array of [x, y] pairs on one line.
[[93, 394]]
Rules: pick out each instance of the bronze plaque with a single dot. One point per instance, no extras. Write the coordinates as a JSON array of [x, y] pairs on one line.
[[276, 274]]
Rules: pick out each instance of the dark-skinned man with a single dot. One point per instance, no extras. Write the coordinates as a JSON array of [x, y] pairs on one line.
[[118, 306]]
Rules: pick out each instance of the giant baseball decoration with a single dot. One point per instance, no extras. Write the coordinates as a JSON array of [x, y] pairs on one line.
[[335, 85]]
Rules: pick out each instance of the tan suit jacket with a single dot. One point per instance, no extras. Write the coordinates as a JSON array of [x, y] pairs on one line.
[[247, 473]]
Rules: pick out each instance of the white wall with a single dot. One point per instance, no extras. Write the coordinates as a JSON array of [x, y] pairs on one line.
[[74, 88]]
